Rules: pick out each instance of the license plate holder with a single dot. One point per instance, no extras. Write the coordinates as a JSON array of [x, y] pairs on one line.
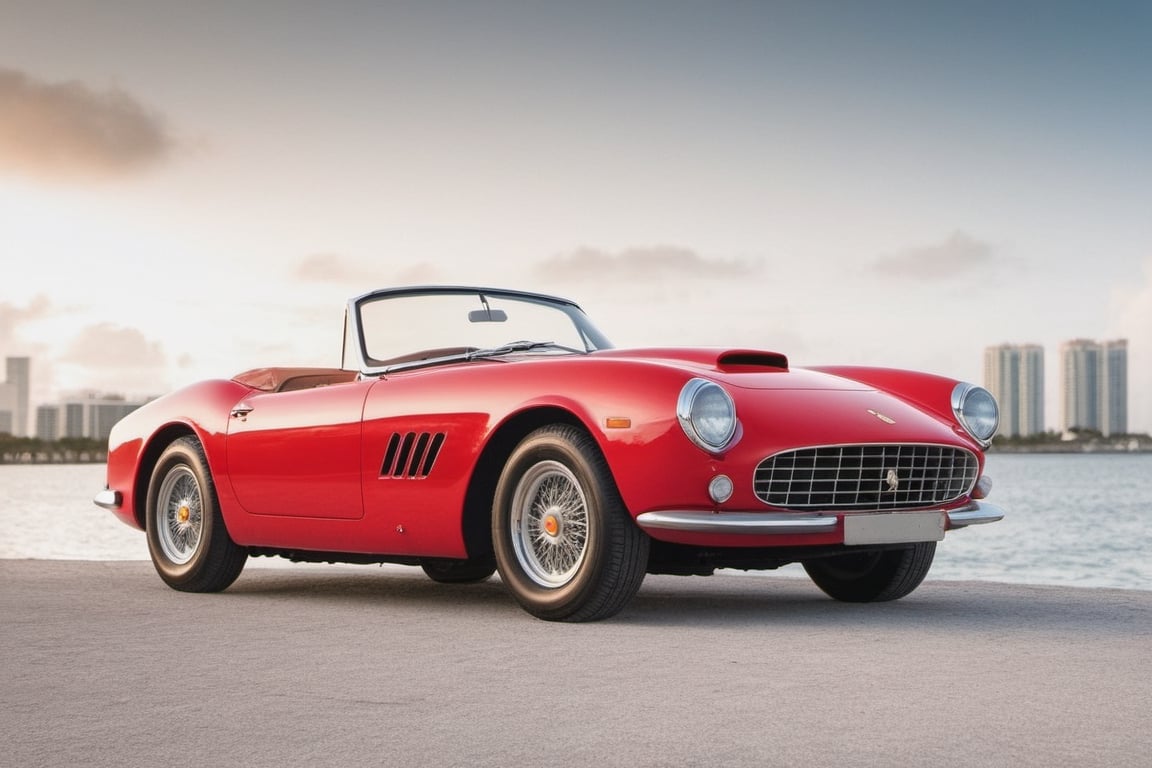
[[893, 528]]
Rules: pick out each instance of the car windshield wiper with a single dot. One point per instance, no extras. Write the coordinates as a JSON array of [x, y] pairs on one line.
[[521, 346]]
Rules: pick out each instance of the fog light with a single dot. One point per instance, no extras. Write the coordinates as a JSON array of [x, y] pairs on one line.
[[720, 489]]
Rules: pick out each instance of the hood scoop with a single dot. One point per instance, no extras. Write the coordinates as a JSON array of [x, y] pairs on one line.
[[737, 360]]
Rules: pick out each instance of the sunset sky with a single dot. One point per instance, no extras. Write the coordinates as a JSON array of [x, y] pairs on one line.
[[189, 189]]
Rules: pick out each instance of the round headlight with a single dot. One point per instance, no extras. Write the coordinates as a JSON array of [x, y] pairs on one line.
[[977, 411], [707, 414]]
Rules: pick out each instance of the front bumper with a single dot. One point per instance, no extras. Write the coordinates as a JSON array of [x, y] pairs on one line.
[[789, 523], [108, 499]]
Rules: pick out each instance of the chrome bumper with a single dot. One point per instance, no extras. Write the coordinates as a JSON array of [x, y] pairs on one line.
[[975, 513], [761, 523], [108, 499]]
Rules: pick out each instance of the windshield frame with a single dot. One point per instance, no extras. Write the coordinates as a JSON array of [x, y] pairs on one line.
[[355, 349]]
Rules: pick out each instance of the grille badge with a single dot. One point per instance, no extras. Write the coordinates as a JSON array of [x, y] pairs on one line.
[[882, 417], [893, 480]]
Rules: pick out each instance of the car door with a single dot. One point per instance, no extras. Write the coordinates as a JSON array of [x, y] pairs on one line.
[[298, 454], [419, 450]]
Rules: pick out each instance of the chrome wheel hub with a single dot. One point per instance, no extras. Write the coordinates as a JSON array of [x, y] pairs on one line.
[[549, 524]]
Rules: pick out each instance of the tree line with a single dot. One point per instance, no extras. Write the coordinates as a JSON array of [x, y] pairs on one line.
[[66, 450]]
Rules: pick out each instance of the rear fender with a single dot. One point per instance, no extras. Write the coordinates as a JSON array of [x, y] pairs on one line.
[[137, 441]]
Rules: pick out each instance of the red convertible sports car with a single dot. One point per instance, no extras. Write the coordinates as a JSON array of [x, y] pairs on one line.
[[473, 430]]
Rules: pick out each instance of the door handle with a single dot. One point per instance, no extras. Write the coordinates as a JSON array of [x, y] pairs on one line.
[[241, 410]]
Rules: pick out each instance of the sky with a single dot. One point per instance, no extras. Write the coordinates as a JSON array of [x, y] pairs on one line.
[[188, 190]]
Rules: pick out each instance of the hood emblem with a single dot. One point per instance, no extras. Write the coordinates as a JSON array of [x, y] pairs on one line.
[[882, 417], [893, 480]]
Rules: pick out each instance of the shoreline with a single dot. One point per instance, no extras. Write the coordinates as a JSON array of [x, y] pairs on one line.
[[1076, 448]]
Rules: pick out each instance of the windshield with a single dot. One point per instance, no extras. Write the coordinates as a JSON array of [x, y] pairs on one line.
[[416, 327]]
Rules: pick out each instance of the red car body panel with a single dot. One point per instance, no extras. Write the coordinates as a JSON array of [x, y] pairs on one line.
[[304, 469]]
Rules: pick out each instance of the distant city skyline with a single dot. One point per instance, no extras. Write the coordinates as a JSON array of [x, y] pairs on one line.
[[91, 417], [1093, 384], [80, 414]]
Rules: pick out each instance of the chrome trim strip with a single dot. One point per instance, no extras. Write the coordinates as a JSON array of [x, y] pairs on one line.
[[762, 523], [736, 522], [976, 513], [108, 499]]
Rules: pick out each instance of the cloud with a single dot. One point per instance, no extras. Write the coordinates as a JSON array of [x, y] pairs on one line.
[[334, 268], [107, 346], [68, 132], [652, 263], [325, 268], [12, 316], [959, 254], [419, 274], [105, 358]]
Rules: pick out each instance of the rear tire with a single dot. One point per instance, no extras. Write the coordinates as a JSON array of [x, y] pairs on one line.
[[565, 545], [448, 571], [189, 545], [872, 577]]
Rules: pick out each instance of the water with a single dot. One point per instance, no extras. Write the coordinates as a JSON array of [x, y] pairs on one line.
[[1072, 520]]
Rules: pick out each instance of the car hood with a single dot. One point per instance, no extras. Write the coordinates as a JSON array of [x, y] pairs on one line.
[[745, 368], [820, 406]]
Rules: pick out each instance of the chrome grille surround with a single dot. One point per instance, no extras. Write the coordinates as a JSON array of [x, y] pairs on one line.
[[869, 477]]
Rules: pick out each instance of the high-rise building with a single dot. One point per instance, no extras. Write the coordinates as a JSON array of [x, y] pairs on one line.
[[1095, 382], [1114, 387], [1014, 374], [1080, 364], [89, 416], [14, 393]]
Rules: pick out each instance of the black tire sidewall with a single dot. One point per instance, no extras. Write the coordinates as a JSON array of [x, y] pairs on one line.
[[555, 445], [184, 453], [446, 571], [892, 574]]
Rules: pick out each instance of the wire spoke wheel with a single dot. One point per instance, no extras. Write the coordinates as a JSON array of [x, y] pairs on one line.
[[563, 541], [549, 524], [180, 508], [187, 538]]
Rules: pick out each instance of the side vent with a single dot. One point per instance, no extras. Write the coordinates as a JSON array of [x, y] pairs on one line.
[[411, 455]]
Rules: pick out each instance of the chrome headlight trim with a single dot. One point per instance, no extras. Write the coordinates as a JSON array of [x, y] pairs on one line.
[[976, 410], [707, 414]]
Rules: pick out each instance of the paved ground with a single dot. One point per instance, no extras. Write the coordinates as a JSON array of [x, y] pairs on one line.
[[102, 665]]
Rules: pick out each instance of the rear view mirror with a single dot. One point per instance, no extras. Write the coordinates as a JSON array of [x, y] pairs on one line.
[[487, 316]]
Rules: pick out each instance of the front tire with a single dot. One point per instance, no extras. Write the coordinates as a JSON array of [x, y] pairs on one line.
[[565, 545], [872, 577], [189, 545]]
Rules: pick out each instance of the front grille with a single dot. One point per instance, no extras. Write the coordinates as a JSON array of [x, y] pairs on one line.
[[866, 477]]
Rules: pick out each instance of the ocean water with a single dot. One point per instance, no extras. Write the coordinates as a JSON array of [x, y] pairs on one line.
[[1072, 520]]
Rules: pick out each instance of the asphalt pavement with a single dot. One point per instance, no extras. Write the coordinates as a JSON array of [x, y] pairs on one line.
[[103, 665]]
